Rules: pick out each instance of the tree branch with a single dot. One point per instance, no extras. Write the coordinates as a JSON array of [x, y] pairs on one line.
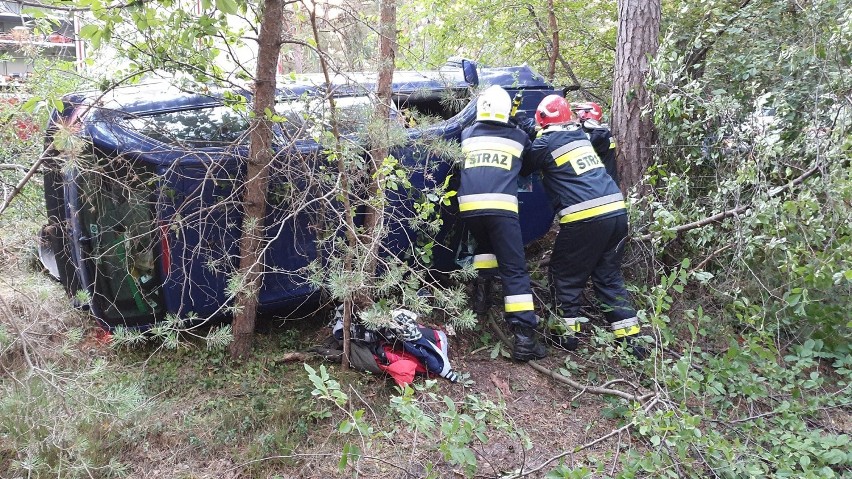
[[523, 473], [697, 56], [52, 6], [12, 166], [733, 212], [20, 186], [570, 382]]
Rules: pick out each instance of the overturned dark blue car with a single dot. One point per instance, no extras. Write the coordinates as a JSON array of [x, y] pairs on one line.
[[136, 179]]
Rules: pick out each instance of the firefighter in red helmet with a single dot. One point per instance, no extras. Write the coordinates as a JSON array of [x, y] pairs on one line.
[[593, 222], [590, 116]]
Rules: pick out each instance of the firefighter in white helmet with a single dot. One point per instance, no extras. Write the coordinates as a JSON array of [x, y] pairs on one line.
[[488, 202]]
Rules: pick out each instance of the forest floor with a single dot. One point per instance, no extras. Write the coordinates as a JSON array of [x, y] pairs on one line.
[[204, 416], [189, 412]]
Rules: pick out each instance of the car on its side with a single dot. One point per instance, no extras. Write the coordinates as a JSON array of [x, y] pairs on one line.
[[136, 228]]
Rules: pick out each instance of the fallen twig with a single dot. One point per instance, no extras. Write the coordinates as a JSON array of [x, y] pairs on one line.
[[294, 357], [523, 473], [570, 382], [706, 260]]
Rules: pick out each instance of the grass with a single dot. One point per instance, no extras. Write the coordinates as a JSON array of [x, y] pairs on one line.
[[72, 406]]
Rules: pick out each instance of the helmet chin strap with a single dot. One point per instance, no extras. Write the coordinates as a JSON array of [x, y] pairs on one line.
[[561, 127]]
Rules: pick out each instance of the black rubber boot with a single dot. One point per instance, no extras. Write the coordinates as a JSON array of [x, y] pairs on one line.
[[636, 348], [482, 295], [527, 346]]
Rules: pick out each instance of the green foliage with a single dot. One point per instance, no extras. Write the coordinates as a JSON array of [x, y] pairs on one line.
[[433, 31], [747, 393], [738, 132], [63, 422], [565, 472], [452, 429]]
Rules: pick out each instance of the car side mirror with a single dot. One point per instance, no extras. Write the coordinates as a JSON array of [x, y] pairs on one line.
[[471, 76]]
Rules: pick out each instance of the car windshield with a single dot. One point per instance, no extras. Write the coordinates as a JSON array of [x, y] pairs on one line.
[[306, 117], [221, 125], [199, 128]]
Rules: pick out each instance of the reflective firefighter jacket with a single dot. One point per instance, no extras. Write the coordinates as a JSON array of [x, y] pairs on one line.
[[489, 173], [573, 175]]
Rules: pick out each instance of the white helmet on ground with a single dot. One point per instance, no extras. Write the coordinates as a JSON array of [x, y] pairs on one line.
[[493, 104]]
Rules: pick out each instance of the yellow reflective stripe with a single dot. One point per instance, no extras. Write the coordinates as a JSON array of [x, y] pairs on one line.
[[488, 116], [584, 205], [517, 307], [488, 205], [592, 212], [574, 154], [485, 143], [612, 143], [625, 323], [623, 332], [518, 302], [573, 324], [484, 261]]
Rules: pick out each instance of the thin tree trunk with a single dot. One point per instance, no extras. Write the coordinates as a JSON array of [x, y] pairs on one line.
[[554, 41], [257, 178], [344, 172], [637, 43], [379, 139]]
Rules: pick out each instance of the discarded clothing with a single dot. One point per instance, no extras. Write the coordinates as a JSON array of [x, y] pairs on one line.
[[403, 350]]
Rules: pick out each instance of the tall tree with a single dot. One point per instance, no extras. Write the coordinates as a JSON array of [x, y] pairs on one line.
[[379, 140], [637, 42], [257, 177]]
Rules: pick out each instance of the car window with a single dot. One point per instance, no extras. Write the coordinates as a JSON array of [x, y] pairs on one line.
[[305, 117], [221, 126], [117, 216], [199, 128]]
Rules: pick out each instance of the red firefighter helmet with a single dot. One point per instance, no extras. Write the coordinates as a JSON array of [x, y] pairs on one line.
[[553, 110], [587, 111]]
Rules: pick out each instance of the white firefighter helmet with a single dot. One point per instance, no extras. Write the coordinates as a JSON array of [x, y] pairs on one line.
[[493, 104]]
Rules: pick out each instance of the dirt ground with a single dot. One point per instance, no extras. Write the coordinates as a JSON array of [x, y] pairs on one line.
[[554, 417]]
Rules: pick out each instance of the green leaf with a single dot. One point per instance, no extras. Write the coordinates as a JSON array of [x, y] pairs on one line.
[[344, 458], [793, 299], [495, 351], [88, 31], [834, 457], [57, 104], [345, 427], [228, 7], [30, 105]]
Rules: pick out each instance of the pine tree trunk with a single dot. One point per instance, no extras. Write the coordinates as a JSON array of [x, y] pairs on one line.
[[637, 42], [257, 178], [379, 139]]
